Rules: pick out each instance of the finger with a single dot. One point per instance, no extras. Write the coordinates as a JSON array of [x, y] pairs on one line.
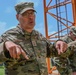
[[58, 48], [14, 53], [18, 51], [24, 54], [59, 51], [65, 47], [62, 48], [11, 51]]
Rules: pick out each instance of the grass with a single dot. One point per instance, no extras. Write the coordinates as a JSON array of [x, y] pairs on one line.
[[2, 70]]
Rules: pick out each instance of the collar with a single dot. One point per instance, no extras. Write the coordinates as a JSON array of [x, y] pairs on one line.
[[23, 32]]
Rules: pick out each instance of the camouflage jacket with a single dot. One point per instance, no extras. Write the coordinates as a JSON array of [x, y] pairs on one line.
[[36, 47], [67, 63], [72, 57]]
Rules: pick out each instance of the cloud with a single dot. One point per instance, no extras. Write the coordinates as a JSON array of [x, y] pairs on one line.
[[36, 2], [2, 27], [8, 10]]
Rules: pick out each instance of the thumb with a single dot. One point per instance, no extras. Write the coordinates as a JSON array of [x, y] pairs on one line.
[[24, 54]]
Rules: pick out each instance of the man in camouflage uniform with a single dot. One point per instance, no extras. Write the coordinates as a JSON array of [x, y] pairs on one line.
[[23, 49], [68, 66]]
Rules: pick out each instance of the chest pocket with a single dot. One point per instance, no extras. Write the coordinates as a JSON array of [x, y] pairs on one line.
[[42, 47]]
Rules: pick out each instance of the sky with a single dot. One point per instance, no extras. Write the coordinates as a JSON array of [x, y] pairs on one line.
[[8, 15]]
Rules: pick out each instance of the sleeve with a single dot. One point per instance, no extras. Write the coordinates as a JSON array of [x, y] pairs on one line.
[[71, 47], [51, 50], [2, 55], [9, 35], [70, 50], [72, 44]]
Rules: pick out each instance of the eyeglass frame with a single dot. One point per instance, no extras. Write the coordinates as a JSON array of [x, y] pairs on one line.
[[27, 14]]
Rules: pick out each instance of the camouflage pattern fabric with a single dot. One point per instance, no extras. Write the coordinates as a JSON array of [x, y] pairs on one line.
[[24, 6], [62, 65], [72, 57], [36, 47], [67, 64]]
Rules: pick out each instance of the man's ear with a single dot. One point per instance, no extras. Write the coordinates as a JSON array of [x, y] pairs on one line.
[[17, 16]]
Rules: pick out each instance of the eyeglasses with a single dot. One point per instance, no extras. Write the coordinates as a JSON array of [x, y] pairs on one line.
[[27, 14]]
